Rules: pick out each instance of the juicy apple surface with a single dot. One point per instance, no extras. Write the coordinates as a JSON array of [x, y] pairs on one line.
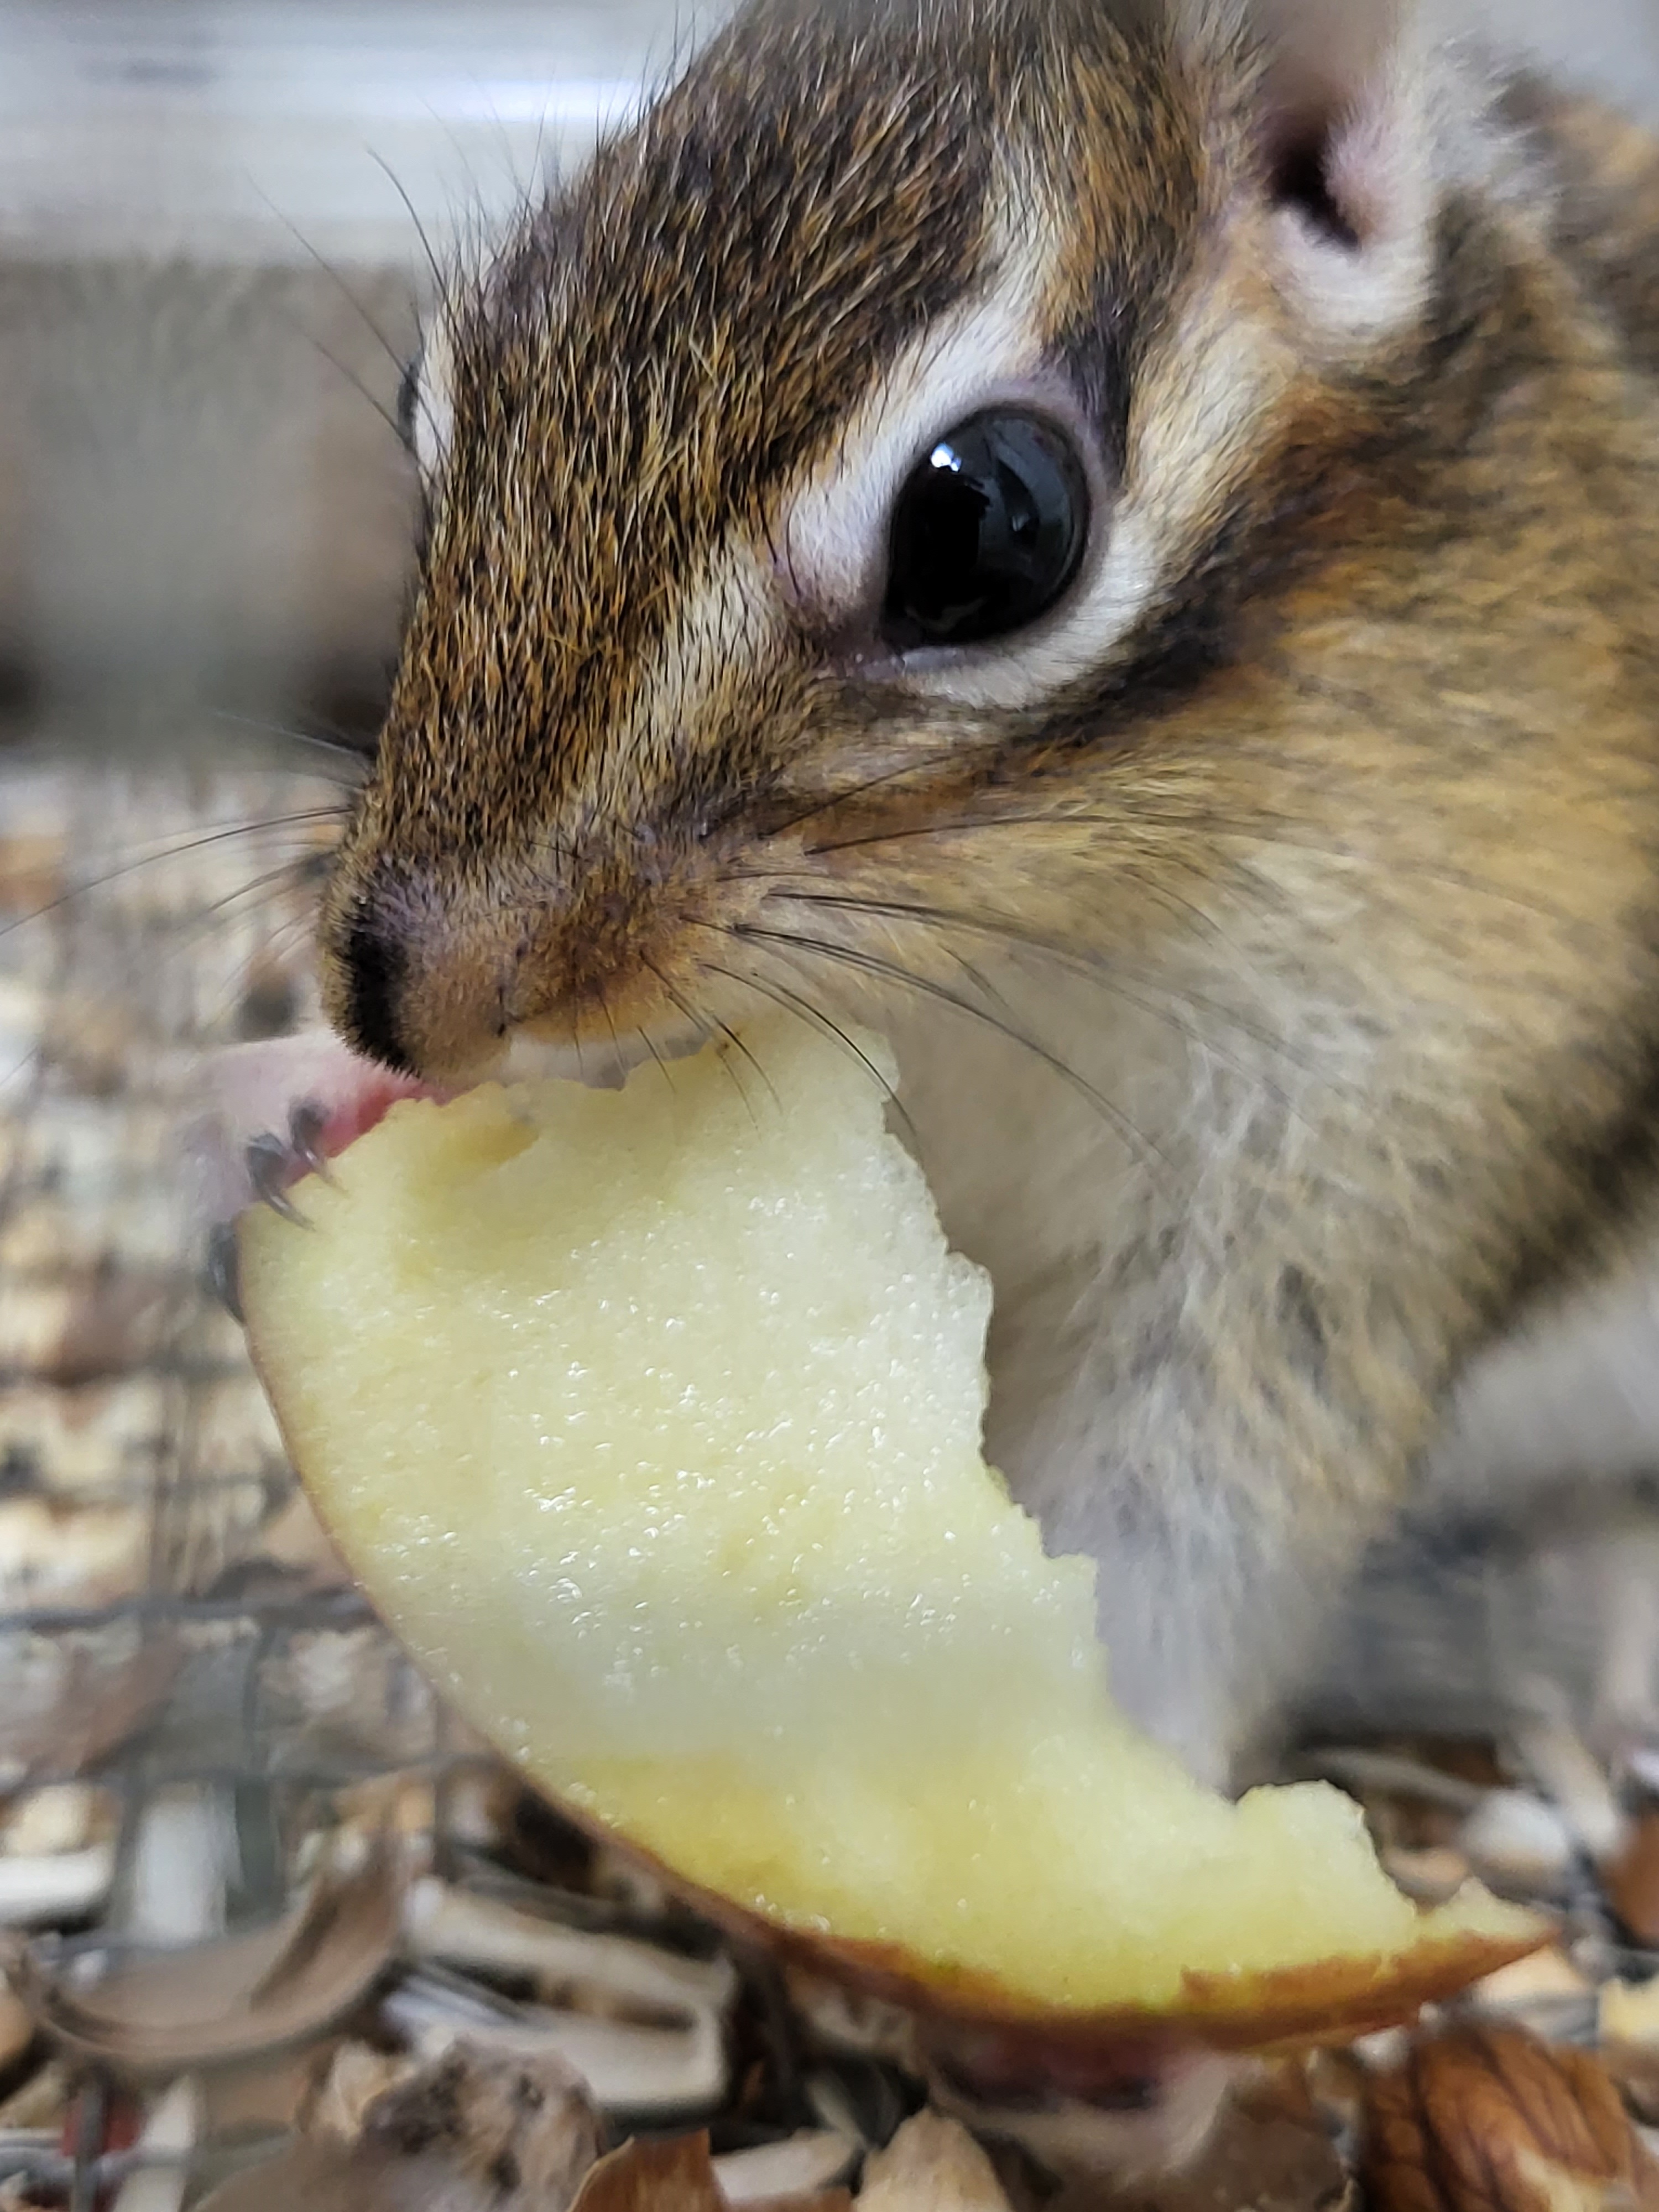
[[650, 1419]]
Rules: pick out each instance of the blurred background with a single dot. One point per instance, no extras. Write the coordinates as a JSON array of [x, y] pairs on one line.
[[210, 270]]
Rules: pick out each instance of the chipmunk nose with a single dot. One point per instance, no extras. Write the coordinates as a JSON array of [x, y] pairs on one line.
[[373, 966], [432, 970], [412, 981]]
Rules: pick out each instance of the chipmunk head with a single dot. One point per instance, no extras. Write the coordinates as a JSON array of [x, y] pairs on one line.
[[897, 425], [1133, 520]]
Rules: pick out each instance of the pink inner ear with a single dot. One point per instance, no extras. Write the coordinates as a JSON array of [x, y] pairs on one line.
[[1333, 121], [1302, 178]]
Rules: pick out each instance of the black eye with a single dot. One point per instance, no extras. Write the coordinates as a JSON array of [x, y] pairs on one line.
[[987, 532]]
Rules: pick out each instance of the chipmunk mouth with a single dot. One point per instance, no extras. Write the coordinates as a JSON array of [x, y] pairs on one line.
[[454, 977]]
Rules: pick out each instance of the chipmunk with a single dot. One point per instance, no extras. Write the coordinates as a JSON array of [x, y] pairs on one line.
[[1115, 541]]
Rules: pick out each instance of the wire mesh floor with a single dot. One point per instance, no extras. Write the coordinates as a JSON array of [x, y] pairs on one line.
[[248, 1866], [216, 1770]]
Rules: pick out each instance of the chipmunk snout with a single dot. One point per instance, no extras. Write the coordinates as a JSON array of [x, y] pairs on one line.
[[396, 953], [431, 972]]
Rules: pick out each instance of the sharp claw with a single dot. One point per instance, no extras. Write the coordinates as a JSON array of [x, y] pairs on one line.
[[223, 1269], [305, 1125], [269, 1160]]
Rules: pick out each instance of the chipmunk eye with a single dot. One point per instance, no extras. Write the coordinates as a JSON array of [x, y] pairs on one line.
[[987, 533]]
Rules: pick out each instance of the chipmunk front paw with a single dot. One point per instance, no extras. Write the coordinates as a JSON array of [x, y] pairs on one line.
[[271, 1113]]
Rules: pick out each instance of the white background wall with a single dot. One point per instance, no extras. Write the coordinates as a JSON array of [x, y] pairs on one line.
[[150, 124], [198, 505]]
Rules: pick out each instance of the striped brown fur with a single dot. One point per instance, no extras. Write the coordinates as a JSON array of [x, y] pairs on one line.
[[1277, 987]]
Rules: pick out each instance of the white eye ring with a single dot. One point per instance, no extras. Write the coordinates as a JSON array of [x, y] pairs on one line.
[[425, 412], [831, 544]]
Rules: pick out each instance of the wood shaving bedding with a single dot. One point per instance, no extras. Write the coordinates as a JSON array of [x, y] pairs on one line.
[[181, 1657]]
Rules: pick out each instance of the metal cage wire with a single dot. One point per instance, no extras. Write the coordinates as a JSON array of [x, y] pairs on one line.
[[168, 1615]]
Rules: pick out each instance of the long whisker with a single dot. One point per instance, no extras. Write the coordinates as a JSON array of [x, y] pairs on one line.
[[288, 872], [184, 929], [848, 792], [704, 1025], [1139, 1145], [1263, 839], [329, 742], [276, 944], [248, 899], [650, 1044], [792, 1002], [735, 1040], [440, 282], [170, 852], [361, 389], [339, 283], [736, 1044], [1104, 971], [611, 1023]]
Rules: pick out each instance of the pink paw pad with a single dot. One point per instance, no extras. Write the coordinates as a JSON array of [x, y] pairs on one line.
[[274, 1112]]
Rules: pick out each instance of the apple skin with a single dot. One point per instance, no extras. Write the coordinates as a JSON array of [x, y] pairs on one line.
[[972, 2023]]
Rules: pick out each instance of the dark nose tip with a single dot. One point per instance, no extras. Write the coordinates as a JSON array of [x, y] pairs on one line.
[[374, 967]]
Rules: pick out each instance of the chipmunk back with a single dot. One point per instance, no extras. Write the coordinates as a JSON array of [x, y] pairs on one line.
[[1118, 544]]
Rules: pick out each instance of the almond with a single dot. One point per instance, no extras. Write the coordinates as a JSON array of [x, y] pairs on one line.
[[1493, 2120]]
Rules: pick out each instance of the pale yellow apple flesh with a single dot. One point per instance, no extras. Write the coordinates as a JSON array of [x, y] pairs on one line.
[[650, 1419]]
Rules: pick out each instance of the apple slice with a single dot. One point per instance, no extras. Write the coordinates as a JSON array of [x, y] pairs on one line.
[[650, 1419]]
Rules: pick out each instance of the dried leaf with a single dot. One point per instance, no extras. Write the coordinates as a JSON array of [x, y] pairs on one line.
[[170, 2132], [1493, 2120], [1577, 1781], [678, 2176], [358, 2075], [217, 2002], [296, 1541], [630, 2068], [63, 1816], [75, 1555], [526, 2128], [267, 2098], [54, 1885], [445, 1922], [469, 2133], [1430, 1876], [1518, 1845], [793, 2170], [1271, 2150], [68, 1699], [932, 2165], [111, 1325], [1547, 1978]]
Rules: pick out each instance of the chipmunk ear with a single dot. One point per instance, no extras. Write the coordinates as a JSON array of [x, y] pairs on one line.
[[1338, 104]]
